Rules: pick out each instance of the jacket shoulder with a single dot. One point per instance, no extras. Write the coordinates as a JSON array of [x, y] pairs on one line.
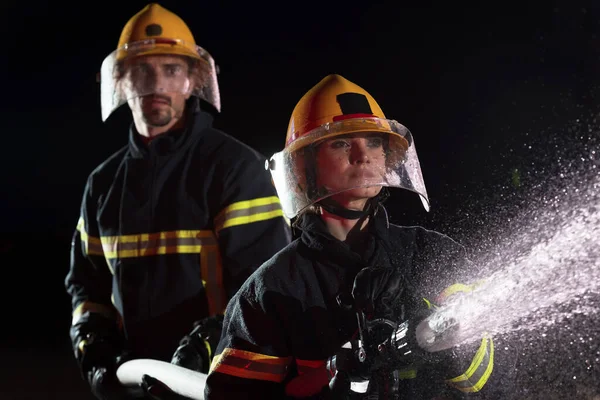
[[433, 254], [110, 164], [277, 273], [423, 237], [228, 147], [105, 171]]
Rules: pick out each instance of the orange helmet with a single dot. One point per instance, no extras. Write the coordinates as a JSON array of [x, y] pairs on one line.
[[156, 31], [333, 107]]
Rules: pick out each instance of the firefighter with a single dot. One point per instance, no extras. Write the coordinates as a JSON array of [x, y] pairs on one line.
[[300, 308], [175, 221]]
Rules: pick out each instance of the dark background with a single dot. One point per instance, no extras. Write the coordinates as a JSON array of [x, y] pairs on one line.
[[476, 84]]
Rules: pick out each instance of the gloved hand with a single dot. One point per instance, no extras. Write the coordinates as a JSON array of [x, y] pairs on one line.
[[332, 381], [105, 385], [99, 365], [98, 347], [385, 293], [157, 390], [346, 360], [196, 350], [380, 292], [339, 387]]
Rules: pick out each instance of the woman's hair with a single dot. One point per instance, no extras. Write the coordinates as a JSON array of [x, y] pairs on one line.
[[312, 209]]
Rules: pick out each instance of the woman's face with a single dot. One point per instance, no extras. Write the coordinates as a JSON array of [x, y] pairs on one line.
[[346, 162]]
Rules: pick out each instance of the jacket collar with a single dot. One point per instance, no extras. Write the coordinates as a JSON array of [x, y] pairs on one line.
[[316, 237], [172, 141]]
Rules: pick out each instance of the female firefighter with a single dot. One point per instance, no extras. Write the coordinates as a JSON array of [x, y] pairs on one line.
[[305, 324]]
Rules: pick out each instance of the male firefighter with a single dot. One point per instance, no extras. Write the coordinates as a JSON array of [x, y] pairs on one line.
[[173, 223]]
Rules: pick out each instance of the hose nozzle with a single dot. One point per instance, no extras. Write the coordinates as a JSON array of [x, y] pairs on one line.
[[438, 331]]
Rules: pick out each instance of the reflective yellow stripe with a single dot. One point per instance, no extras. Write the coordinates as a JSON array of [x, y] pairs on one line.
[[249, 365], [157, 243], [88, 306], [457, 288], [479, 371], [92, 245], [201, 242], [211, 269], [407, 374], [453, 289], [81, 345], [248, 211], [146, 244], [428, 303]]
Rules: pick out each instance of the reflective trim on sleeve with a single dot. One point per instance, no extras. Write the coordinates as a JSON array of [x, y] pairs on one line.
[[248, 211], [457, 288], [479, 371], [453, 289], [91, 245], [249, 365], [409, 373], [88, 306], [428, 303]]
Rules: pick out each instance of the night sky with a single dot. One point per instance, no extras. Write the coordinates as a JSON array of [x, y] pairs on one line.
[[475, 85]]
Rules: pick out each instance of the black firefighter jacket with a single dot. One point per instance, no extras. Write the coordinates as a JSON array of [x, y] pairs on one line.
[[285, 321], [169, 231]]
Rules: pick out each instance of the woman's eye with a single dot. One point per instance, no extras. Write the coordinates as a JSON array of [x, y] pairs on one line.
[[375, 142], [337, 144], [173, 70]]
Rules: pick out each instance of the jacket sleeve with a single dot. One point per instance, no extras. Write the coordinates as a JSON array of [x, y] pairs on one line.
[[249, 225], [88, 282], [252, 359], [469, 366], [466, 369]]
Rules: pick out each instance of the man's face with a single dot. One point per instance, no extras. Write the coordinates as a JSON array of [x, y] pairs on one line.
[[349, 161], [158, 86]]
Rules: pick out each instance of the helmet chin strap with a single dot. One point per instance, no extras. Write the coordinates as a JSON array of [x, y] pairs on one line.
[[333, 207]]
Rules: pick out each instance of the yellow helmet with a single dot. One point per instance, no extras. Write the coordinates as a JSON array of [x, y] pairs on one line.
[[335, 99], [335, 106], [169, 32], [154, 30]]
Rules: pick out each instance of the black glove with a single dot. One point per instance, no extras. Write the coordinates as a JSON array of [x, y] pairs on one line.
[[339, 387], [98, 347], [99, 365], [347, 360], [196, 350], [157, 390], [384, 295], [380, 292], [105, 385]]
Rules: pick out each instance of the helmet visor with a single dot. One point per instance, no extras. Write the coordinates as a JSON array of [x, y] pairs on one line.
[[323, 162], [157, 66]]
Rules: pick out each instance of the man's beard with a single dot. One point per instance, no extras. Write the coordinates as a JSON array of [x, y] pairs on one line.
[[158, 117]]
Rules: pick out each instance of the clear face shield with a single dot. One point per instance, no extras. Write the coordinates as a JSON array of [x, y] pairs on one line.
[[157, 66], [320, 164]]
